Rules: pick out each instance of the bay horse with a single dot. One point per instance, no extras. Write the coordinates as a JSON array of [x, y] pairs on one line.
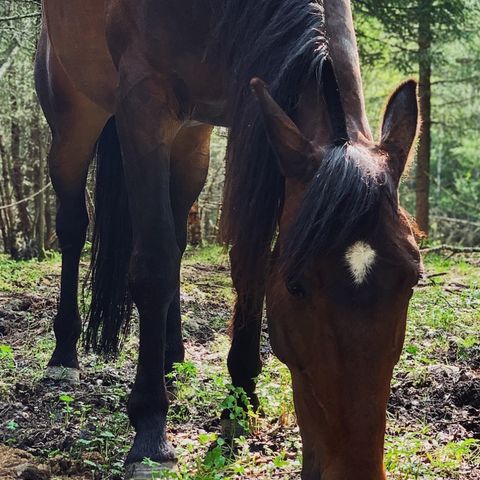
[[311, 205]]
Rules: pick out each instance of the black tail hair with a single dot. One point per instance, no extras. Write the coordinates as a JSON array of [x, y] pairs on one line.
[[111, 304]]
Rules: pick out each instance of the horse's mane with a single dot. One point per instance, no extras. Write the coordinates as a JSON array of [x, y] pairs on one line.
[[343, 204], [282, 42]]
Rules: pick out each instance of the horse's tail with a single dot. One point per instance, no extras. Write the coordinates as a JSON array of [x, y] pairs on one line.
[[111, 304]]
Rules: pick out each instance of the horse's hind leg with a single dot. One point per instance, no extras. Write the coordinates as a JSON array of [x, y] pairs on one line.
[[76, 124], [68, 164]]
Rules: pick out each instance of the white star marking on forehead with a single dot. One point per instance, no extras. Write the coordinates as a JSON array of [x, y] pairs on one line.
[[360, 258]]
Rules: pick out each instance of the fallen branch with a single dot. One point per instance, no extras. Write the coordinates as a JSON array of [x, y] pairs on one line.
[[456, 220], [429, 280], [451, 249]]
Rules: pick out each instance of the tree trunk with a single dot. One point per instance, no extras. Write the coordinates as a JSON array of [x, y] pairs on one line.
[[18, 178], [3, 220], [3, 211], [49, 226], [38, 154], [10, 57], [194, 226], [424, 148], [10, 246]]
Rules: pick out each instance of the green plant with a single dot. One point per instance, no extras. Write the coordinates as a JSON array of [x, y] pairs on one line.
[[465, 345], [12, 425], [239, 408], [7, 357], [67, 401], [451, 456]]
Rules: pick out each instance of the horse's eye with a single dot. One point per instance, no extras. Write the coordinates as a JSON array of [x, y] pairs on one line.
[[295, 289]]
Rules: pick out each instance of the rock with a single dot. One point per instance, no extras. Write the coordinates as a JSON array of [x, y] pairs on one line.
[[445, 370], [28, 471]]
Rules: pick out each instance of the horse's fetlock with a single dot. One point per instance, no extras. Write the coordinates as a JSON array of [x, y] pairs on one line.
[[148, 410]]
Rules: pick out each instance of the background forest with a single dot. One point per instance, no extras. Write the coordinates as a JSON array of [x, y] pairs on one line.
[[436, 41]]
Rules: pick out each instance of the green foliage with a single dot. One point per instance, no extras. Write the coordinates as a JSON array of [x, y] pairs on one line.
[[404, 453], [239, 408], [389, 43], [211, 254], [389, 30]]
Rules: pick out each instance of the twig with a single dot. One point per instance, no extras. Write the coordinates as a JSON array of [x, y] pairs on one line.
[[428, 280], [20, 17], [27, 199], [436, 275]]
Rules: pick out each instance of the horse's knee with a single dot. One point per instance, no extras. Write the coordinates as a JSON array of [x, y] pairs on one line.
[[154, 278]]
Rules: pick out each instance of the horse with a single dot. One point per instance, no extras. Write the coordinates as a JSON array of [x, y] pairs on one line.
[[311, 207]]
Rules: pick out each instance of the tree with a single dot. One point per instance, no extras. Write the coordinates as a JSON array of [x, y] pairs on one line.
[[416, 32]]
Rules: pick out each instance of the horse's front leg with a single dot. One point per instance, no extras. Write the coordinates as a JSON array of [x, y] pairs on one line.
[[190, 159], [244, 361], [146, 129]]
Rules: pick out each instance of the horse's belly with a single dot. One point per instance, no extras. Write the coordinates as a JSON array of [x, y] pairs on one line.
[[76, 29]]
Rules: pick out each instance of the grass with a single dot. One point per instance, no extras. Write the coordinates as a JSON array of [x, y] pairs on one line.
[[25, 276], [444, 318], [443, 315]]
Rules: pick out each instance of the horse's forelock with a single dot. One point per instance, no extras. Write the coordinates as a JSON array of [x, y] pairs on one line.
[[342, 205]]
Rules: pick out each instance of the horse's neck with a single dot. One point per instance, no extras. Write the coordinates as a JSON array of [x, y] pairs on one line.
[[344, 54], [311, 114]]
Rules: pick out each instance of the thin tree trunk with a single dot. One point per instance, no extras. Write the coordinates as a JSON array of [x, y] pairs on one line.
[[195, 226], [10, 57], [424, 149], [11, 246], [38, 154], [49, 228], [3, 212], [18, 178], [3, 221]]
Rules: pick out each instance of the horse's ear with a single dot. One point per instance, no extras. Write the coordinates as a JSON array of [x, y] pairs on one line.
[[400, 126], [331, 93], [292, 148]]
